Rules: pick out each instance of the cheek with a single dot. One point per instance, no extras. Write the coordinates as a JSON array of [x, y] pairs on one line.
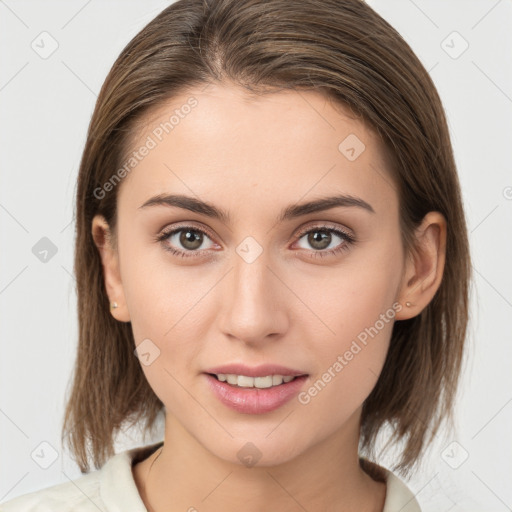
[[353, 357], [358, 305], [167, 355], [161, 296], [166, 307], [351, 298], [348, 368]]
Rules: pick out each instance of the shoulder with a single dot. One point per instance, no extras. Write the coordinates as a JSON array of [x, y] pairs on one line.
[[110, 488], [81, 494], [399, 498]]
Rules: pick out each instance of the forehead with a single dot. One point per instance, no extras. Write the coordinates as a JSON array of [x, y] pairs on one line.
[[225, 143]]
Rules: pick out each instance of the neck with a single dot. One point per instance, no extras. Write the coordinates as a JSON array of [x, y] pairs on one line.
[[184, 475]]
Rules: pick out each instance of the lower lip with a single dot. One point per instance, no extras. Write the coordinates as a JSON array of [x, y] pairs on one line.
[[255, 400]]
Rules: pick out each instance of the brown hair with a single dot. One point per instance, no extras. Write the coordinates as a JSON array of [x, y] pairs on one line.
[[350, 53]]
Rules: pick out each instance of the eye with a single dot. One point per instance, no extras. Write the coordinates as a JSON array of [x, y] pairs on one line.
[[184, 241], [323, 240], [188, 241]]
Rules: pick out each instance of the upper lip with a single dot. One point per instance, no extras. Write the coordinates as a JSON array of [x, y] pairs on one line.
[[255, 371]]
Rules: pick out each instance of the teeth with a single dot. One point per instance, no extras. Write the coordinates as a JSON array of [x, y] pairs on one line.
[[244, 381]]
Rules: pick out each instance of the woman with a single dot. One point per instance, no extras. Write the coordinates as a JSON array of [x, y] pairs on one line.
[[271, 250]]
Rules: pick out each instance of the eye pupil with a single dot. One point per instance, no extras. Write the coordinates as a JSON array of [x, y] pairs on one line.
[[191, 239]]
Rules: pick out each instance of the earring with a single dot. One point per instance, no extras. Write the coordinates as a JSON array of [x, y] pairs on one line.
[[113, 305], [408, 304]]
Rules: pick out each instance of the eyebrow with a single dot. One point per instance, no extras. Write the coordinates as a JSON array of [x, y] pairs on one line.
[[196, 205]]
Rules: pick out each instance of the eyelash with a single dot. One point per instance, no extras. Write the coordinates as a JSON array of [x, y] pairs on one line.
[[345, 245]]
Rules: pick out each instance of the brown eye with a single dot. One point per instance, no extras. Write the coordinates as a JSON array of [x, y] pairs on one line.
[[325, 240], [191, 239], [319, 239], [185, 241]]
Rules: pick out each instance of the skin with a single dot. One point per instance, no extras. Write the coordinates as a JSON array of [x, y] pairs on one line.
[[253, 157]]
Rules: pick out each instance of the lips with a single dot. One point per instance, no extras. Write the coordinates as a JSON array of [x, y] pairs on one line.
[[253, 400]]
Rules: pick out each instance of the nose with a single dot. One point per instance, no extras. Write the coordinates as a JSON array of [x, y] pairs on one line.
[[254, 300]]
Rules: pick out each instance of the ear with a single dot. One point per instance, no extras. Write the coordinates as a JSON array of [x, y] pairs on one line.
[[110, 261], [424, 266]]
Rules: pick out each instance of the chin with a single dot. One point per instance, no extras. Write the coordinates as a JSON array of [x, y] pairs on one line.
[[257, 451]]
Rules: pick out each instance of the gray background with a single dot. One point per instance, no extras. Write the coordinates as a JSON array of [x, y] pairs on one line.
[[45, 108]]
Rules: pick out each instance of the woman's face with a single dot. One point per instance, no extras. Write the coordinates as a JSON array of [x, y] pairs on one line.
[[314, 291]]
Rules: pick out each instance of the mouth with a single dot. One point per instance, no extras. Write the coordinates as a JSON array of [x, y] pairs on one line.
[[245, 381], [260, 394]]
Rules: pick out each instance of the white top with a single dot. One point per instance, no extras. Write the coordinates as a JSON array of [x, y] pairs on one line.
[[112, 489]]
